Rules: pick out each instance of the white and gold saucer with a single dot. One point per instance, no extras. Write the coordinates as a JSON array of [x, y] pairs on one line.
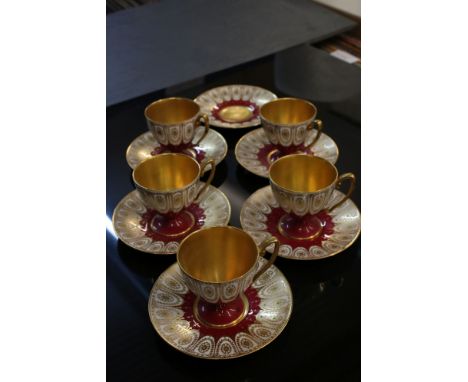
[[133, 222], [256, 153], [171, 310], [145, 145], [234, 106], [261, 214]]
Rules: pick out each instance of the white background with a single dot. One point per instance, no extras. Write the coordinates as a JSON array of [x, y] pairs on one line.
[[414, 194]]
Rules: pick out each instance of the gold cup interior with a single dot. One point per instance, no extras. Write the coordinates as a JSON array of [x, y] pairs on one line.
[[217, 254], [288, 111], [166, 172], [171, 111], [302, 173]]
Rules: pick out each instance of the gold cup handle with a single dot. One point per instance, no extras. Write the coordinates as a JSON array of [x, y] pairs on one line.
[[352, 185], [266, 243], [318, 124], [206, 122], [210, 178]]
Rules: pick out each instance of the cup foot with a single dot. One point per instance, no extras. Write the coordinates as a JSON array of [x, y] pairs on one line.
[[307, 227], [221, 315], [173, 225]]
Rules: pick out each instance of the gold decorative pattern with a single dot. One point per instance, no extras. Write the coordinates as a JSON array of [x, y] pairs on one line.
[[174, 121], [209, 99], [290, 121], [309, 189], [127, 216], [346, 219], [249, 145], [167, 317], [170, 182], [233, 259], [214, 145]]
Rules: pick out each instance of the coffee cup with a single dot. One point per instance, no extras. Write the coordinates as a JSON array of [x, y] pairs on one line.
[[175, 121], [289, 122], [303, 186], [218, 264], [168, 183]]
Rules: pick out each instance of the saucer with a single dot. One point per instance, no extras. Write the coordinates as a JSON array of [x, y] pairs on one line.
[[144, 146], [172, 313], [255, 153], [134, 224], [234, 106], [261, 214]]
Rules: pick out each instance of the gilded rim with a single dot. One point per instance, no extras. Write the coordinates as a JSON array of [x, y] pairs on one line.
[[145, 143], [133, 196], [288, 124], [230, 280], [280, 329], [233, 125], [169, 99], [332, 184], [150, 190], [325, 148], [260, 234]]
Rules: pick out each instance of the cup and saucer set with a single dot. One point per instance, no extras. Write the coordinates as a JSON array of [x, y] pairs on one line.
[[223, 298]]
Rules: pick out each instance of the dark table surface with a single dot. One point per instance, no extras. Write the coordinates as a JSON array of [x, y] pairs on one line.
[[322, 339], [162, 44]]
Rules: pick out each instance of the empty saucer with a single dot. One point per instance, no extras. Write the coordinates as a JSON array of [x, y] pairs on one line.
[[234, 106]]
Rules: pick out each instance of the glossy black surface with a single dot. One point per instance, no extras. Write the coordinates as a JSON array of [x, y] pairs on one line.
[[322, 339]]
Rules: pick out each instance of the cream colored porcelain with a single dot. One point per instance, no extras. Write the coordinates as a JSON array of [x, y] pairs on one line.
[[219, 263], [213, 145], [290, 121], [174, 121], [168, 311], [169, 182], [304, 184], [250, 150], [246, 100], [346, 220], [129, 212]]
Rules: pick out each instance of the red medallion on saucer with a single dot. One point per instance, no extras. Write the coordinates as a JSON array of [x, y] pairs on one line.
[[256, 153], [213, 145], [220, 331], [270, 153], [296, 231], [172, 226], [222, 319], [234, 106], [235, 111], [310, 237], [148, 231], [189, 149]]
